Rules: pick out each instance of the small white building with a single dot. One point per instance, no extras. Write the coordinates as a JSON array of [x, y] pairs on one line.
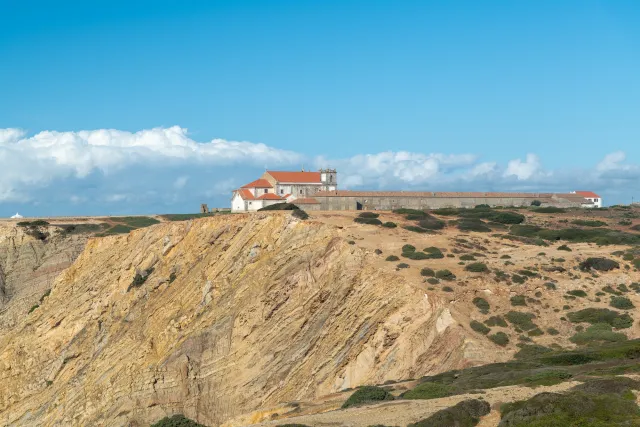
[[590, 196], [282, 186]]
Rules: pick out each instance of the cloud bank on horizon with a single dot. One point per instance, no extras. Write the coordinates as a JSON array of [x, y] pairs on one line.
[[165, 170]]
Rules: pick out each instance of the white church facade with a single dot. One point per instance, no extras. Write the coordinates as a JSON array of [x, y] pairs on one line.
[[283, 186]]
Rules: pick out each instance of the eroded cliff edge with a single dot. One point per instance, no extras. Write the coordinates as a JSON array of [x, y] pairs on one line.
[[238, 312]]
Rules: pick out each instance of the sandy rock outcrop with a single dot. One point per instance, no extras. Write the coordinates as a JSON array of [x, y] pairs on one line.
[[228, 314]]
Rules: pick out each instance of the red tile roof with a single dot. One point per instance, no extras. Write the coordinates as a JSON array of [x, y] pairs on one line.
[[306, 201], [588, 194], [303, 177], [258, 183], [270, 196], [246, 194]]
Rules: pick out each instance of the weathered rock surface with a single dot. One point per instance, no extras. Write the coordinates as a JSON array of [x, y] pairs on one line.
[[28, 268], [262, 309]]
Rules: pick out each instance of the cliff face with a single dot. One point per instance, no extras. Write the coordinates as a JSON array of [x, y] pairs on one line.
[[237, 313], [28, 268]]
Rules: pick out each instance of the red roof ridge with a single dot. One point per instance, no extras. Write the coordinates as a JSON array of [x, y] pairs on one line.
[[258, 183]]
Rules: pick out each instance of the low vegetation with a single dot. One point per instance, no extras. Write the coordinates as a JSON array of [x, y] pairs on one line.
[[600, 264], [177, 421], [482, 304], [477, 267], [601, 315], [464, 414], [367, 394]]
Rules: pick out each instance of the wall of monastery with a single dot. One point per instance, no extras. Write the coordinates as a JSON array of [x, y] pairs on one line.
[[389, 203]]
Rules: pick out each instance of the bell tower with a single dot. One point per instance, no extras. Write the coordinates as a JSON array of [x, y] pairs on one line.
[[329, 179]]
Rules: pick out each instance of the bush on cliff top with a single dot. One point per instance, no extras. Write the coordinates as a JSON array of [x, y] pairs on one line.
[[367, 394], [177, 421]]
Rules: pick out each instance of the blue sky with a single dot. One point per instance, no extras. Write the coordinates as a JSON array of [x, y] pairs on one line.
[[466, 95]]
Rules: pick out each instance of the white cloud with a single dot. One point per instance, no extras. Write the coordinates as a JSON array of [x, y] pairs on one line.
[[27, 162], [524, 170], [164, 169]]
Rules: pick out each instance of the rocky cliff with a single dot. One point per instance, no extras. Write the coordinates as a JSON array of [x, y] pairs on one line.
[[29, 266], [215, 318]]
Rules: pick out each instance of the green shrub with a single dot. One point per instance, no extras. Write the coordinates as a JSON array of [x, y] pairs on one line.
[[369, 215], [431, 223], [496, 321], [518, 279], [477, 267], [600, 264], [407, 211], [505, 257], [33, 307], [553, 331], [445, 275], [521, 320], [479, 327], [535, 332], [46, 294], [402, 265], [280, 207], [447, 289], [140, 278], [597, 333], [549, 209], [416, 255], [408, 248], [427, 272], [517, 300], [300, 214], [176, 421], [473, 224], [172, 277], [482, 304], [528, 351], [617, 385], [536, 203], [445, 211], [464, 414], [601, 315], [588, 223], [392, 258], [601, 236], [621, 303], [577, 293], [428, 390], [434, 253], [367, 394], [572, 410], [564, 248], [551, 286], [390, 224], [433, 281], [369, 221], [499, 338], [415, 229], [467, 257]]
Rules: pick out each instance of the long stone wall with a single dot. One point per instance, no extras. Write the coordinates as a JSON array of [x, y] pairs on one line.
[[394, 202]]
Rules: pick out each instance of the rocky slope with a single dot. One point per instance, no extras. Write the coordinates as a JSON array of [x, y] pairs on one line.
[[29, 266], [218, 317]]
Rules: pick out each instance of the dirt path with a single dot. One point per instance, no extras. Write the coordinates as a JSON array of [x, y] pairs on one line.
[[403, 412]]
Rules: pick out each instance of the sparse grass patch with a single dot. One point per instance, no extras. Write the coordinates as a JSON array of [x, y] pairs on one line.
[[588, 223]]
